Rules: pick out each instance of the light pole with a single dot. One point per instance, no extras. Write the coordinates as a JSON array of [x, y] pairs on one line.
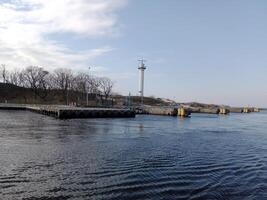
[[87, 92]]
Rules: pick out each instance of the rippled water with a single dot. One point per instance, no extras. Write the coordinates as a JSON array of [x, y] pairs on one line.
[[149, 157]]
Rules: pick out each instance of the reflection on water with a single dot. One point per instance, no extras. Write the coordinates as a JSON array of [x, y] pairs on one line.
[[150, 157]]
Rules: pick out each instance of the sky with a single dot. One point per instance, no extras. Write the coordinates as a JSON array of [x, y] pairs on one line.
[[211, 51]]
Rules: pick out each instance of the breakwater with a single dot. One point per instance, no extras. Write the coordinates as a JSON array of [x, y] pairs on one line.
[[169, 111], [68, 112], [186, 111]]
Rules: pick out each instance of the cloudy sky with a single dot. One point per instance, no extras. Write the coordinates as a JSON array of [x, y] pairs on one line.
[[208, 51]]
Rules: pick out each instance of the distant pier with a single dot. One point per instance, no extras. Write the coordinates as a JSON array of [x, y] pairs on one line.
[[68, 112], [169, 111], [186, 111]]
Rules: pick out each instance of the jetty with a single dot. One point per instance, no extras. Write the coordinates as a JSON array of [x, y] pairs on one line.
[[160, 110], [244, 110], [168, 111], [185, 111], [69, 112]]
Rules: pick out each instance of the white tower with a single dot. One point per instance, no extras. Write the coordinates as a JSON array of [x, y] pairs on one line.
[[141, 68]]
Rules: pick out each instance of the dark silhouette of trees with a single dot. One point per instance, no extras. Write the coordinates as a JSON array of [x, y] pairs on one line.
[[41, 81]]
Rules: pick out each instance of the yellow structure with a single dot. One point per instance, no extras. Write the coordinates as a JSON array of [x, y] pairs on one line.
[[246, 110], [182, 112], [256, 110], [223, 111]]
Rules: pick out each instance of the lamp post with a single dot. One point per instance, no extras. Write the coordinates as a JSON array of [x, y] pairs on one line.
[[87, 92]]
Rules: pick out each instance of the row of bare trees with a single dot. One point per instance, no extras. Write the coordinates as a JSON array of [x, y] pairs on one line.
[[40, 81]]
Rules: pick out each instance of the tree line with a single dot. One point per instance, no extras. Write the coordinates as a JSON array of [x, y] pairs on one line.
[[41, 81]]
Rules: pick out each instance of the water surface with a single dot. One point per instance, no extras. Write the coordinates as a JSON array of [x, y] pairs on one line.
[[150, 157]]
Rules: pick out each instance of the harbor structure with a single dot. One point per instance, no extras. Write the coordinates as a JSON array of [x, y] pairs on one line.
[[246, 110], [224, 111], [256, 110], [160, 110], [69, 112], [182, 112]]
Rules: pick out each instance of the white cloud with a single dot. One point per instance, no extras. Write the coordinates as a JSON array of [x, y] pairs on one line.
[[25, 24]]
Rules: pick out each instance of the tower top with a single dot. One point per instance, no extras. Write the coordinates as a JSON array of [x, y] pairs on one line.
[[142, 64]]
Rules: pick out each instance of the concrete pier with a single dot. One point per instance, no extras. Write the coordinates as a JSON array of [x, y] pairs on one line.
[[168, 111], [236, 110], [67, 112], [206, 110], [243, 110], [159, 110]]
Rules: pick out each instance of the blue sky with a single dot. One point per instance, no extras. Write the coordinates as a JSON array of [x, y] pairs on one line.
[[211, 51]]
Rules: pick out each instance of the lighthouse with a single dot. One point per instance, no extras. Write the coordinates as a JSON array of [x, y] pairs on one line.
[[141, 69]]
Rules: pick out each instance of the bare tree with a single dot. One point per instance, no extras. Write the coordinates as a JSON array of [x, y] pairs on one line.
[[63, 80], [50, 81], [106, 86], [41, 82], [35, 78], [16, 78], [81, 83], [4, 73], [93, 85]]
